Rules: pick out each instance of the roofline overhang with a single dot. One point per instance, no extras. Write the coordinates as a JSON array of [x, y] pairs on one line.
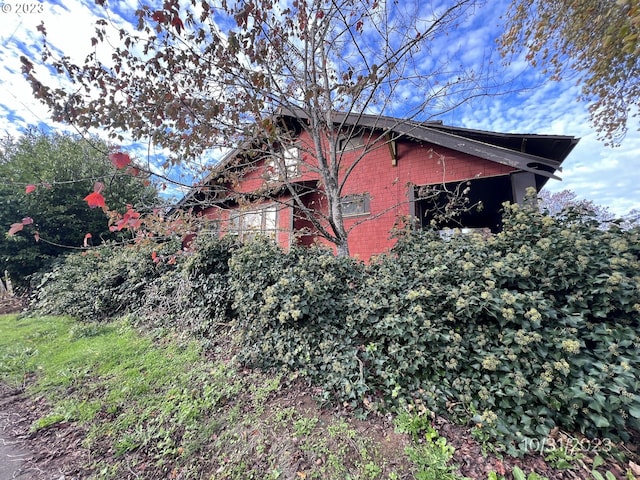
[[429, 132]]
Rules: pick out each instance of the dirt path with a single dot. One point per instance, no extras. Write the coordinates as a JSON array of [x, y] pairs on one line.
[[13, 455], [51, 454], [11, 458]]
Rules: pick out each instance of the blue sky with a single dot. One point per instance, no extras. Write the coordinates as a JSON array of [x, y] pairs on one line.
[[609, 177]]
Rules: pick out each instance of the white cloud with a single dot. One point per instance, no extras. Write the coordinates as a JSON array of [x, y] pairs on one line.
[[69, 30]]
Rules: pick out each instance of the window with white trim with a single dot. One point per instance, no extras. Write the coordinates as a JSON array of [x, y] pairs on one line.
[[291, 160], [284, 165], [251, 223]]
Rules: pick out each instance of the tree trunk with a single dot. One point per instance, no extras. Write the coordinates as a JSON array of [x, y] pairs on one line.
[[336, 219], [342, 248]]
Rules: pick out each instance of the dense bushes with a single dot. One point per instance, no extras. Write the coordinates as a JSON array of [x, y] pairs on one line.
[[195, 296], [154, 284], [296, 310], [524, 331], [99, 283], [530, 329], [533, 328]]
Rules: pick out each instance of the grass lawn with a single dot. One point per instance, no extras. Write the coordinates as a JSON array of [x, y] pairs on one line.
[[159, 408]]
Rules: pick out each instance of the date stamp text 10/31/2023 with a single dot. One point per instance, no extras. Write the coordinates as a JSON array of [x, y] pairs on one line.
[[569, 444], [21, 8]]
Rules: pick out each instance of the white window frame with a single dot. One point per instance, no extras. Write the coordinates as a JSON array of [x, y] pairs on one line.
[[247, 224], [291, 160], [283, 166]]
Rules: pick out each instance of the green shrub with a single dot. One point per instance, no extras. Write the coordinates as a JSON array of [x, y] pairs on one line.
[[518, 333], [296, 312], [533, 328], [189, 291], [197, 296], [100, 283], [58, 292]]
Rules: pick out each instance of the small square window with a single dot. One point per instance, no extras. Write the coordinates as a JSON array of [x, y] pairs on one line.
[[353, 205], [350, 143], [285, 165]]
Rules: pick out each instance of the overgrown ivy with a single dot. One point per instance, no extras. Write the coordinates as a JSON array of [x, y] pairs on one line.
[[515, 334], [296, 311], [100, 283], [530, 329], [527, 330]]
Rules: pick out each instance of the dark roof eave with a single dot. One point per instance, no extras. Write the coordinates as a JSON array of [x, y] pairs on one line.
[[430, 132], [505, 156]]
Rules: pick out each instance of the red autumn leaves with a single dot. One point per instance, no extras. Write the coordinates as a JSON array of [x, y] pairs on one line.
[[95, 199], [131, 219], [17, 227], [120, 160]]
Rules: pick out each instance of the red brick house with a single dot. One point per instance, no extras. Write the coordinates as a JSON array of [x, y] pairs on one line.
[[389, 162]]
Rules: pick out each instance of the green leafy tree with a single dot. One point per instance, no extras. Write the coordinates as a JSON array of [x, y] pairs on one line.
[[596, 39], [44, 178]]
